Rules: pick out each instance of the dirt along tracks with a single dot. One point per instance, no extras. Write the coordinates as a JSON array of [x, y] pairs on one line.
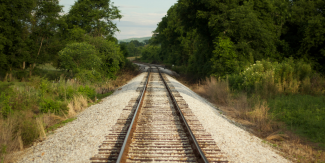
[[80, 140]]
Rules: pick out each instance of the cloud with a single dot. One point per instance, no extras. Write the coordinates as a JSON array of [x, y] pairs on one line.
[[133, 24], [137, 24], [143, 18], [128, 6], [131, 32]]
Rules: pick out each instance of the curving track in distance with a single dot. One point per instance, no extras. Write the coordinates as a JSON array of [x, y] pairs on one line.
[[158, 126]]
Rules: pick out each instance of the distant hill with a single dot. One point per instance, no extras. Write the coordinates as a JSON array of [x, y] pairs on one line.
[[139, 39]]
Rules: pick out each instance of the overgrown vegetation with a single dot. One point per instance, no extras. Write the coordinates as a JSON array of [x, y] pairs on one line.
[[52, 66], [261, 61], [29, 110], [280, 102]]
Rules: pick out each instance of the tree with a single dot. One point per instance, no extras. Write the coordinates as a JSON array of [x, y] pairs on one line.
[[110, 54], [225, 59], [44, 25], [132, 49], [94, 16], [78, 57], [14, 24], [124, 50]]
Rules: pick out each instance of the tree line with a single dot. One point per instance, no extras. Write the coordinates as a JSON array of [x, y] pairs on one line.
[[223, 37], [134, 48], [34, 32]]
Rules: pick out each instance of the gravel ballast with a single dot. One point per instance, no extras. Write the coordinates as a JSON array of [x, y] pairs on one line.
[[238, 144], [78, 141]]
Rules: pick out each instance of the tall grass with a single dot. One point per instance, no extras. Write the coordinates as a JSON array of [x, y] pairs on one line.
[[31, 109], [283, 103]]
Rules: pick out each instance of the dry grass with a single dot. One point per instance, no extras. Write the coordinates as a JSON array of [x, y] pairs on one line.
[[78, 104], [9, 139], [14, 130], [214, 89], [253, 114], [260, 117]]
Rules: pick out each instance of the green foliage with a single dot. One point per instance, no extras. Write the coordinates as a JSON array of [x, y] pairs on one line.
[[15, 16], [223, 37], [273, 77], [225, 59], [50, 105], [305, 114], [151, 53], [124, 50], [79, 56], [88, 76], [77, 34], [5, 102], [95, 17], [29, 131], [88, 91], [110, 54]]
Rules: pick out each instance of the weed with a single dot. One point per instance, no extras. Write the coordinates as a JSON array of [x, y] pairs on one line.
[[86, 90], [6, 107], [49, 105]]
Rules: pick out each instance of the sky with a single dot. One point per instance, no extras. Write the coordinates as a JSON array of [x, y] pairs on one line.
[[140, 17]]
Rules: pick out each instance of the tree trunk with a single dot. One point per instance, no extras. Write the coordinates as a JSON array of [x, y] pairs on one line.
[[24, 64], [6, 78], [39, 50], [32, 66], [30, 70]]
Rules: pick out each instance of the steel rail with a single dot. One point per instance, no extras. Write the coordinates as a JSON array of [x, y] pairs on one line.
[[127, 136], [198, 151]]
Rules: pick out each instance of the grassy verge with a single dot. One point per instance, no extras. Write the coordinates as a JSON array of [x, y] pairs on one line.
[[291, 123], [303, 114], [31, 109]]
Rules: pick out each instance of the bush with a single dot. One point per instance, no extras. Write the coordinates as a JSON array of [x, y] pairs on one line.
[[150, 54], [89, 76], [111, 56], [29, 131], [86, 90], [5, 109], [49, 105], [78, 56], [267, 78]]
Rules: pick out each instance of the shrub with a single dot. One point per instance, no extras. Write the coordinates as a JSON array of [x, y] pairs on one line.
[[110, 54], [5, 109], [225, 59], [29, 131], [49, 105], [89, 76], [78, 56], [86, 90], [268, 78], [150, 54]]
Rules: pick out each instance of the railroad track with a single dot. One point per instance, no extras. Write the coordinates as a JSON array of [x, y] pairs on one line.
[[158, 126]]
